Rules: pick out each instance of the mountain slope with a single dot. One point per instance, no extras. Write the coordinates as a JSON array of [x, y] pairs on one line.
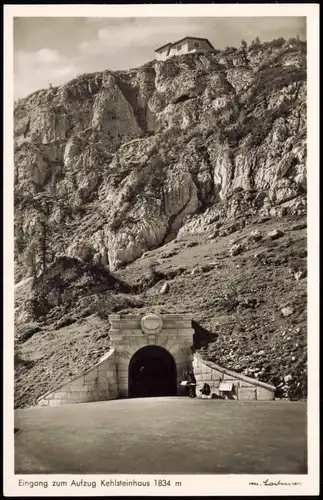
[[120, 161], [115, 169]]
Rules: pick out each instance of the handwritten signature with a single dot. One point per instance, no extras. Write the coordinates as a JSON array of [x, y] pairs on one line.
[[266, 482]]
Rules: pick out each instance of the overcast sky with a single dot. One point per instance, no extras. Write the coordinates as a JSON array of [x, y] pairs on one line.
[[55, 50]]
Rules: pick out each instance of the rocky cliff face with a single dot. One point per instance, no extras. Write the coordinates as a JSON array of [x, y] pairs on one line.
[[188, 177], [123, 161], [113, 164]]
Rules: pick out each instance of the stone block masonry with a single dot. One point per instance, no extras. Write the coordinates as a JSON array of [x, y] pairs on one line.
[[243, 388], [172, 332], [99, 383], [109, 378]]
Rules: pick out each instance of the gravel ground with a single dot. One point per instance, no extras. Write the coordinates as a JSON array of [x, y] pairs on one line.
[[163, 435]]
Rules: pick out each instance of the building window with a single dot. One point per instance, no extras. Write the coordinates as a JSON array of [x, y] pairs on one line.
[[179, 47], [196, 45]]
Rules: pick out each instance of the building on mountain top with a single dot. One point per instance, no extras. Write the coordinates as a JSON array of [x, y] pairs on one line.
[[186, 45]]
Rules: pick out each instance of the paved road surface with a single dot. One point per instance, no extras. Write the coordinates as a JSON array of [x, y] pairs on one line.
[[163, 435]]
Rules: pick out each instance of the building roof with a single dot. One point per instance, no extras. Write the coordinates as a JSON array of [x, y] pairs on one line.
[[182, 39], [163, 46]]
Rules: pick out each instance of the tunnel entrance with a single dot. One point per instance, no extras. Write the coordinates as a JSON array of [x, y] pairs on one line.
[[152, 372]]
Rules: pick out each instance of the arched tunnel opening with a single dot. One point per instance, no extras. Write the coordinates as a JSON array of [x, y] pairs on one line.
[[152, 373]]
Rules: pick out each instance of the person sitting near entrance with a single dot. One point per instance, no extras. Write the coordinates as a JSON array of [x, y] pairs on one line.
[[206, 390]]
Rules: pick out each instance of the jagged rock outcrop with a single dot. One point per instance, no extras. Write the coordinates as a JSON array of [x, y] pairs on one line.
[[113, 164]]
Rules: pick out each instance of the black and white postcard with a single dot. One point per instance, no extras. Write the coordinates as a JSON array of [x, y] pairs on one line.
[[161, 250]]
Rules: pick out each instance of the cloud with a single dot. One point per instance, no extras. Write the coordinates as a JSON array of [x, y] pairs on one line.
[[134, 34], [55, 50], [34, 70], [38, 58], [47, 56]]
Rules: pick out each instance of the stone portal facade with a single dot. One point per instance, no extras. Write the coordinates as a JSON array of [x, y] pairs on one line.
[[173, 332], [109, 378]]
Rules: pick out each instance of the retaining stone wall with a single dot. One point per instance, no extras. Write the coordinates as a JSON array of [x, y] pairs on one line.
[[244, 388], [99, 383]]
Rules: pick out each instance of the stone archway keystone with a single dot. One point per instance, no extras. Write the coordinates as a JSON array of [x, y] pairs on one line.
[[151, 324]]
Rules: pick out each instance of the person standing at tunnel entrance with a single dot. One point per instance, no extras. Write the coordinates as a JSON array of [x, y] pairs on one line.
[[191, 384]]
